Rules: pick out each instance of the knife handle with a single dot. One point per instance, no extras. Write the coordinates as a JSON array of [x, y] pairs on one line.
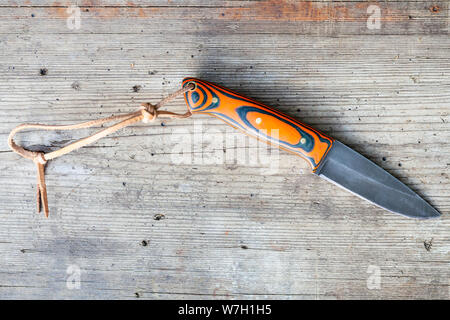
[[258, 120]]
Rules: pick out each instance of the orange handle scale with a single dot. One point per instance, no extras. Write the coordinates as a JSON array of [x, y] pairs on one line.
[[258, 120]]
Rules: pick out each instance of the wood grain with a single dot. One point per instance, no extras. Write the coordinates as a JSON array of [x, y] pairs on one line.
[[232, 17], [141, 225]]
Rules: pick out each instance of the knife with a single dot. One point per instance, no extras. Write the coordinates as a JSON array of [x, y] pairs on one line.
[[328, 158]]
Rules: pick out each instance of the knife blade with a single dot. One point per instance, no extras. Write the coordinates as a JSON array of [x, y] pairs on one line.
[[328, 158]]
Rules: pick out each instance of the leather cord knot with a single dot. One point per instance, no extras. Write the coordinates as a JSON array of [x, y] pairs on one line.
[[39, 158], [148, 112]]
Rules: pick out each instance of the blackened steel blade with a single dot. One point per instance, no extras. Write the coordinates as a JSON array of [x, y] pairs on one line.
[[357, 174]]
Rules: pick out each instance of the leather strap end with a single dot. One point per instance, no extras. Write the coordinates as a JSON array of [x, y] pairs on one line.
[[41, 189]]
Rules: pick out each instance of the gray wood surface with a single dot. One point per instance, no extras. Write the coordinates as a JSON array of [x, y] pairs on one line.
[[140, 225]]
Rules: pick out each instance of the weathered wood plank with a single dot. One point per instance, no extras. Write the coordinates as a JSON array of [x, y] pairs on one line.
[[241, 17], [228, 230]]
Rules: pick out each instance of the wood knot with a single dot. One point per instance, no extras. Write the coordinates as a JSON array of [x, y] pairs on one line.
[[435, 9]]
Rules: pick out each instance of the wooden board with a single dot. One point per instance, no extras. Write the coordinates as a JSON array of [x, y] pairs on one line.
[[139, 224]]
